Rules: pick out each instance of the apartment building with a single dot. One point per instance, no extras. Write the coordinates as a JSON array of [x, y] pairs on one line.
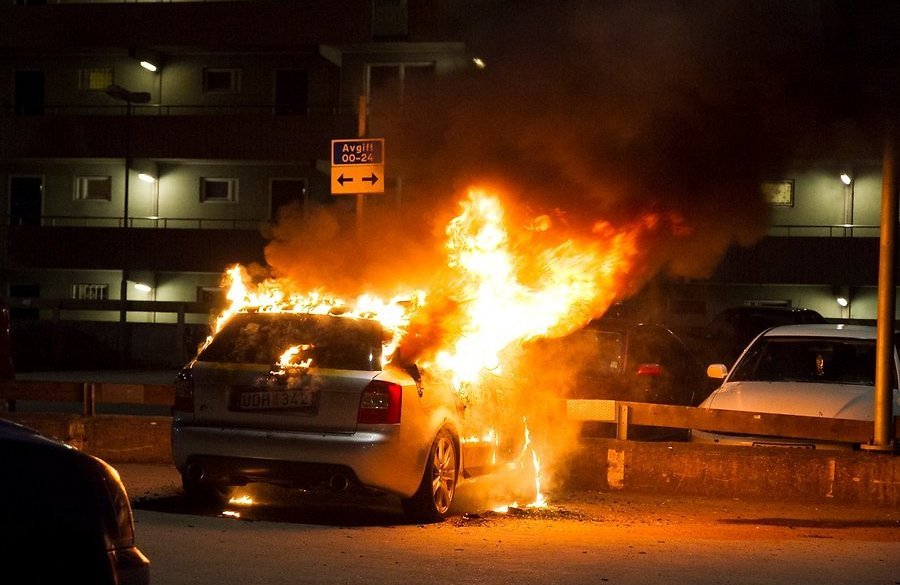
[[145, 146]]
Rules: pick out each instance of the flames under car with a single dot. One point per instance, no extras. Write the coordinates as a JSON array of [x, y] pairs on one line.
[[333, 416]]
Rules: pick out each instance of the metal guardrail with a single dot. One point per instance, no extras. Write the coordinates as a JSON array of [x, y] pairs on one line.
[[626, 414], [622, 414], [89, 394]]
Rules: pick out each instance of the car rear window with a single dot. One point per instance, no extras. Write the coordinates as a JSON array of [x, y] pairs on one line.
[[835, 361], [331, 341]]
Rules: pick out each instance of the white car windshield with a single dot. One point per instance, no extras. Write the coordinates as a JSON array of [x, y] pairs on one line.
[[805, 359]]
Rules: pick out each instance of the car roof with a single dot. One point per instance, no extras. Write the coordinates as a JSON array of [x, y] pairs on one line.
[[839, 330], [11, 431], [620, 324]]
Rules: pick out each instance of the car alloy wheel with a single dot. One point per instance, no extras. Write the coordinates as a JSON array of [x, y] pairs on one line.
[[433, 499]]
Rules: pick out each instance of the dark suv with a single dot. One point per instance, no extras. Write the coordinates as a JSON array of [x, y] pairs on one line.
[[622, 359]]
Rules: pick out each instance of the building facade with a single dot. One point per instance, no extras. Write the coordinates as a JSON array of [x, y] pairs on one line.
[[145, 146]]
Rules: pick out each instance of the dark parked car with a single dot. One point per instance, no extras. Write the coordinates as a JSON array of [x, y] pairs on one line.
[[621, 359], [730, 331], [64, 515]]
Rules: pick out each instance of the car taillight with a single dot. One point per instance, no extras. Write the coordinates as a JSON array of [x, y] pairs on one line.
[[184, 391], [649, 370], [380, 403]]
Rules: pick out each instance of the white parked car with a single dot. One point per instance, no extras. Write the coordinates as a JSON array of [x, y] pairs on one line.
[[821, 370], [339, 421]]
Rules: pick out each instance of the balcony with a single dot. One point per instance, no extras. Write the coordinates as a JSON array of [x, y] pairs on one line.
[[191, 249], [808, 259], [183, 132]]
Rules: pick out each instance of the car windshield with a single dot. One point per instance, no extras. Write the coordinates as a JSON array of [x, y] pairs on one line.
[[798, 359], [332, 342]]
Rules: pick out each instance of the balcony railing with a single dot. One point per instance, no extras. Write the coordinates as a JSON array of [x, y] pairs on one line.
[[120, 109], [844, 230], [153, 222], [841, 230]]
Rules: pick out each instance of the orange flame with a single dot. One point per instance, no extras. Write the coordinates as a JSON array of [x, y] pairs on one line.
[[510, 290], [287, 358], [502, 287]]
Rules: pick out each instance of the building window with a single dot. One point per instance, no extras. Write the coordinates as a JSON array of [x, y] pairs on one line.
[[768, 303], [390, 20], [25, 291], [95, 79], [90, 292], [221, 80], [780, 193], [212, 296], [284, 192], [216, 189], [93, 188], [388, 83]]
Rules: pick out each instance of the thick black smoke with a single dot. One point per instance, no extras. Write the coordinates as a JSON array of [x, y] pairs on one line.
[[609, 110]]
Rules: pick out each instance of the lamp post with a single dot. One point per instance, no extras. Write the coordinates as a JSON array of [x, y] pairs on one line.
[[130, 98]]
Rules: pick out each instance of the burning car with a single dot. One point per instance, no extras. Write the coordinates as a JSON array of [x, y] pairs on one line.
[[405, 397], [302, 401]]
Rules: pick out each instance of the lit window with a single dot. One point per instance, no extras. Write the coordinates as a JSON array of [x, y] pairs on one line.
[[93, 188], [212, 296], [90, 292], [95, 79], [216, 189], [221, 80]]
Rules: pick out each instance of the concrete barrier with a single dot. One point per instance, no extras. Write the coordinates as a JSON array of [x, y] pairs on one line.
[[858, 477], [112, 437], [752, 473]]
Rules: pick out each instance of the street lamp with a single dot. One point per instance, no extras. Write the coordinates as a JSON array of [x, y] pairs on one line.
[[130, 98]]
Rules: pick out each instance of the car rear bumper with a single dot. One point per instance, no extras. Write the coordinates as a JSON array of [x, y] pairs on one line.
[[379, 459]]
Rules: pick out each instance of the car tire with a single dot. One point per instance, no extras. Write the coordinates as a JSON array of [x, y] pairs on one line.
[[206, 495], [432, 501]]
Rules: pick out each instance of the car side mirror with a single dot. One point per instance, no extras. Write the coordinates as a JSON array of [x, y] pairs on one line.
[[717, 371], [413, 371]]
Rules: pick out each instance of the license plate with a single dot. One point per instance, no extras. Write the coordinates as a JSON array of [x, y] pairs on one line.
[[783, 445], [275, 399]]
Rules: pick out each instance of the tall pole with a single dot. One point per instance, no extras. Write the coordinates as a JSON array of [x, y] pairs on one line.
[[124, 345], [883, 427], [123, 289], [361, 130]]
